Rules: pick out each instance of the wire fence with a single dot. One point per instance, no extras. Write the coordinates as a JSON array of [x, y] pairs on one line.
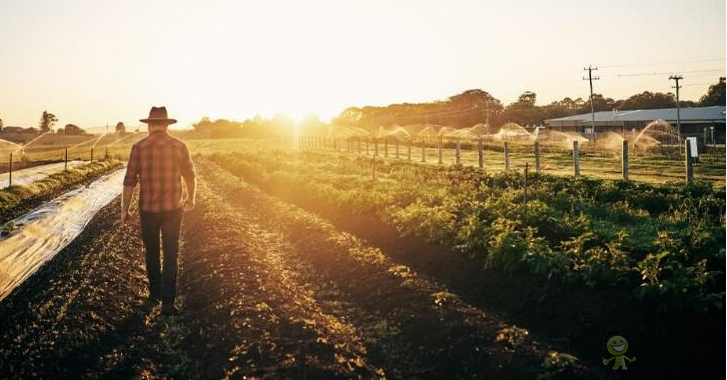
[[655, 164]]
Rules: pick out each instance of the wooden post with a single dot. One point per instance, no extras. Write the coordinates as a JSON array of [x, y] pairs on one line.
[[439, 146], [456, 154], [525, 191], [537, 156], [688, 161], [65, 165], [396, 148], [576, 159], [91, 154], [625, 159], [376, 147], [373, 168], [386, 147], [106, 154], [10, 171], [424, 151], [479, 152], [367, 147], [359, 145], [408, 149], [507, 155]]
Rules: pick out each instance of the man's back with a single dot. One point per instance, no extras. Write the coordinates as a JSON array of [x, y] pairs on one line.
[[157, 163]]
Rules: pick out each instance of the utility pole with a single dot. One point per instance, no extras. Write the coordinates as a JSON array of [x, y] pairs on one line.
[[676, 79], [591, 78]]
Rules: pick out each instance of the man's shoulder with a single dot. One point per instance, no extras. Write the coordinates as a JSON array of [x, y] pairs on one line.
[[140, 143], [176, 142]]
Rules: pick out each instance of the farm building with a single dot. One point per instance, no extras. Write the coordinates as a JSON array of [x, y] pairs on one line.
[[706, 123]]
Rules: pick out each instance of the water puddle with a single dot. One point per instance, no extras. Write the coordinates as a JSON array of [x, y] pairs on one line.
[[45, 231]]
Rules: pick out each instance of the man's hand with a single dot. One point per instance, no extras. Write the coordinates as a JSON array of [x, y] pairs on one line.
[[189, 205], [125, 218]]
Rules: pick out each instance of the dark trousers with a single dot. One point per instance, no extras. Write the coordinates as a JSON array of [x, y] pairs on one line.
[[162, 284]]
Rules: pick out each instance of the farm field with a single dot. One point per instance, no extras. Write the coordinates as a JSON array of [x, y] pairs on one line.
[[324, 264]]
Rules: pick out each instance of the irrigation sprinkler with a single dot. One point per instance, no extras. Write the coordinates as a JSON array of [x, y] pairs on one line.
[[537, 156], [479, 152], [576, 159], [688, 161], [506, 152], [625, 159]]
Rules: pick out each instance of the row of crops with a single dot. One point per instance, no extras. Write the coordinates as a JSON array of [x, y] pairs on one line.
[[663, 242]]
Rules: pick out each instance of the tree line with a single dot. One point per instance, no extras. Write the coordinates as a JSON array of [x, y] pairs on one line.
[[459, 111]]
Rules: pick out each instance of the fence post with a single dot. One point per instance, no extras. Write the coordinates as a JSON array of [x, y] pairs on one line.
[[456, 155], [507, 155], [106, 153], [373, 168], [479, 151], [376, 147], [10, 171], [359, 144], [576, 159], [537, 156], [525, 194], [439, 147], [625, 159], [65, 166], [367, 147], [396, 147], [386, 147], [688, 161], [408, 149], [424, 151], [91, 154]]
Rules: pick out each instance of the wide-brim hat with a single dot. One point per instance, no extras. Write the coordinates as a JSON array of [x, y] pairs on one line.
[[158, 115]]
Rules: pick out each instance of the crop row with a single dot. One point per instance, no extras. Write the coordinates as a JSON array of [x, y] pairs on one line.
[[662, 241]]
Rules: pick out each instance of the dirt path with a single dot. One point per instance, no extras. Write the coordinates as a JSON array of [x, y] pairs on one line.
[[413, 326]]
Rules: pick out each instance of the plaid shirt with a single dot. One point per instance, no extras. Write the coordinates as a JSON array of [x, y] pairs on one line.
[[158, 162]]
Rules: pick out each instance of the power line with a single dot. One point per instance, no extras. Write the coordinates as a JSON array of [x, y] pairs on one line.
[[667, 73], [665, 63]]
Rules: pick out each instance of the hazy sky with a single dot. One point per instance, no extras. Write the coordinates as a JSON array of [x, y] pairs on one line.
[[93, 62]]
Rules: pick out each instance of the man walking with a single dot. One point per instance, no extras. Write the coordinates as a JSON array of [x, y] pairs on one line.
[[158, 163]]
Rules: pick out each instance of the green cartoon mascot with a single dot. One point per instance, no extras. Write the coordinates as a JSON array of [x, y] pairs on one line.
[[617, 346]]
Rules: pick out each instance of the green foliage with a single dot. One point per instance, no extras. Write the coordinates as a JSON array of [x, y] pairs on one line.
[[666, 242]]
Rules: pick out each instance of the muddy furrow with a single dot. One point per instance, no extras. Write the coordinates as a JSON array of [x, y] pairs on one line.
[[248, 314], [418, 320], [70, 319]]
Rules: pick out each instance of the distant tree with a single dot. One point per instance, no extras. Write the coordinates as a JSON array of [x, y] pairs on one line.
[[47, 121], [599, 104], [647, 100], [1, 125], [72, 129], [526, 100], [120, 128], [715, 95]]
